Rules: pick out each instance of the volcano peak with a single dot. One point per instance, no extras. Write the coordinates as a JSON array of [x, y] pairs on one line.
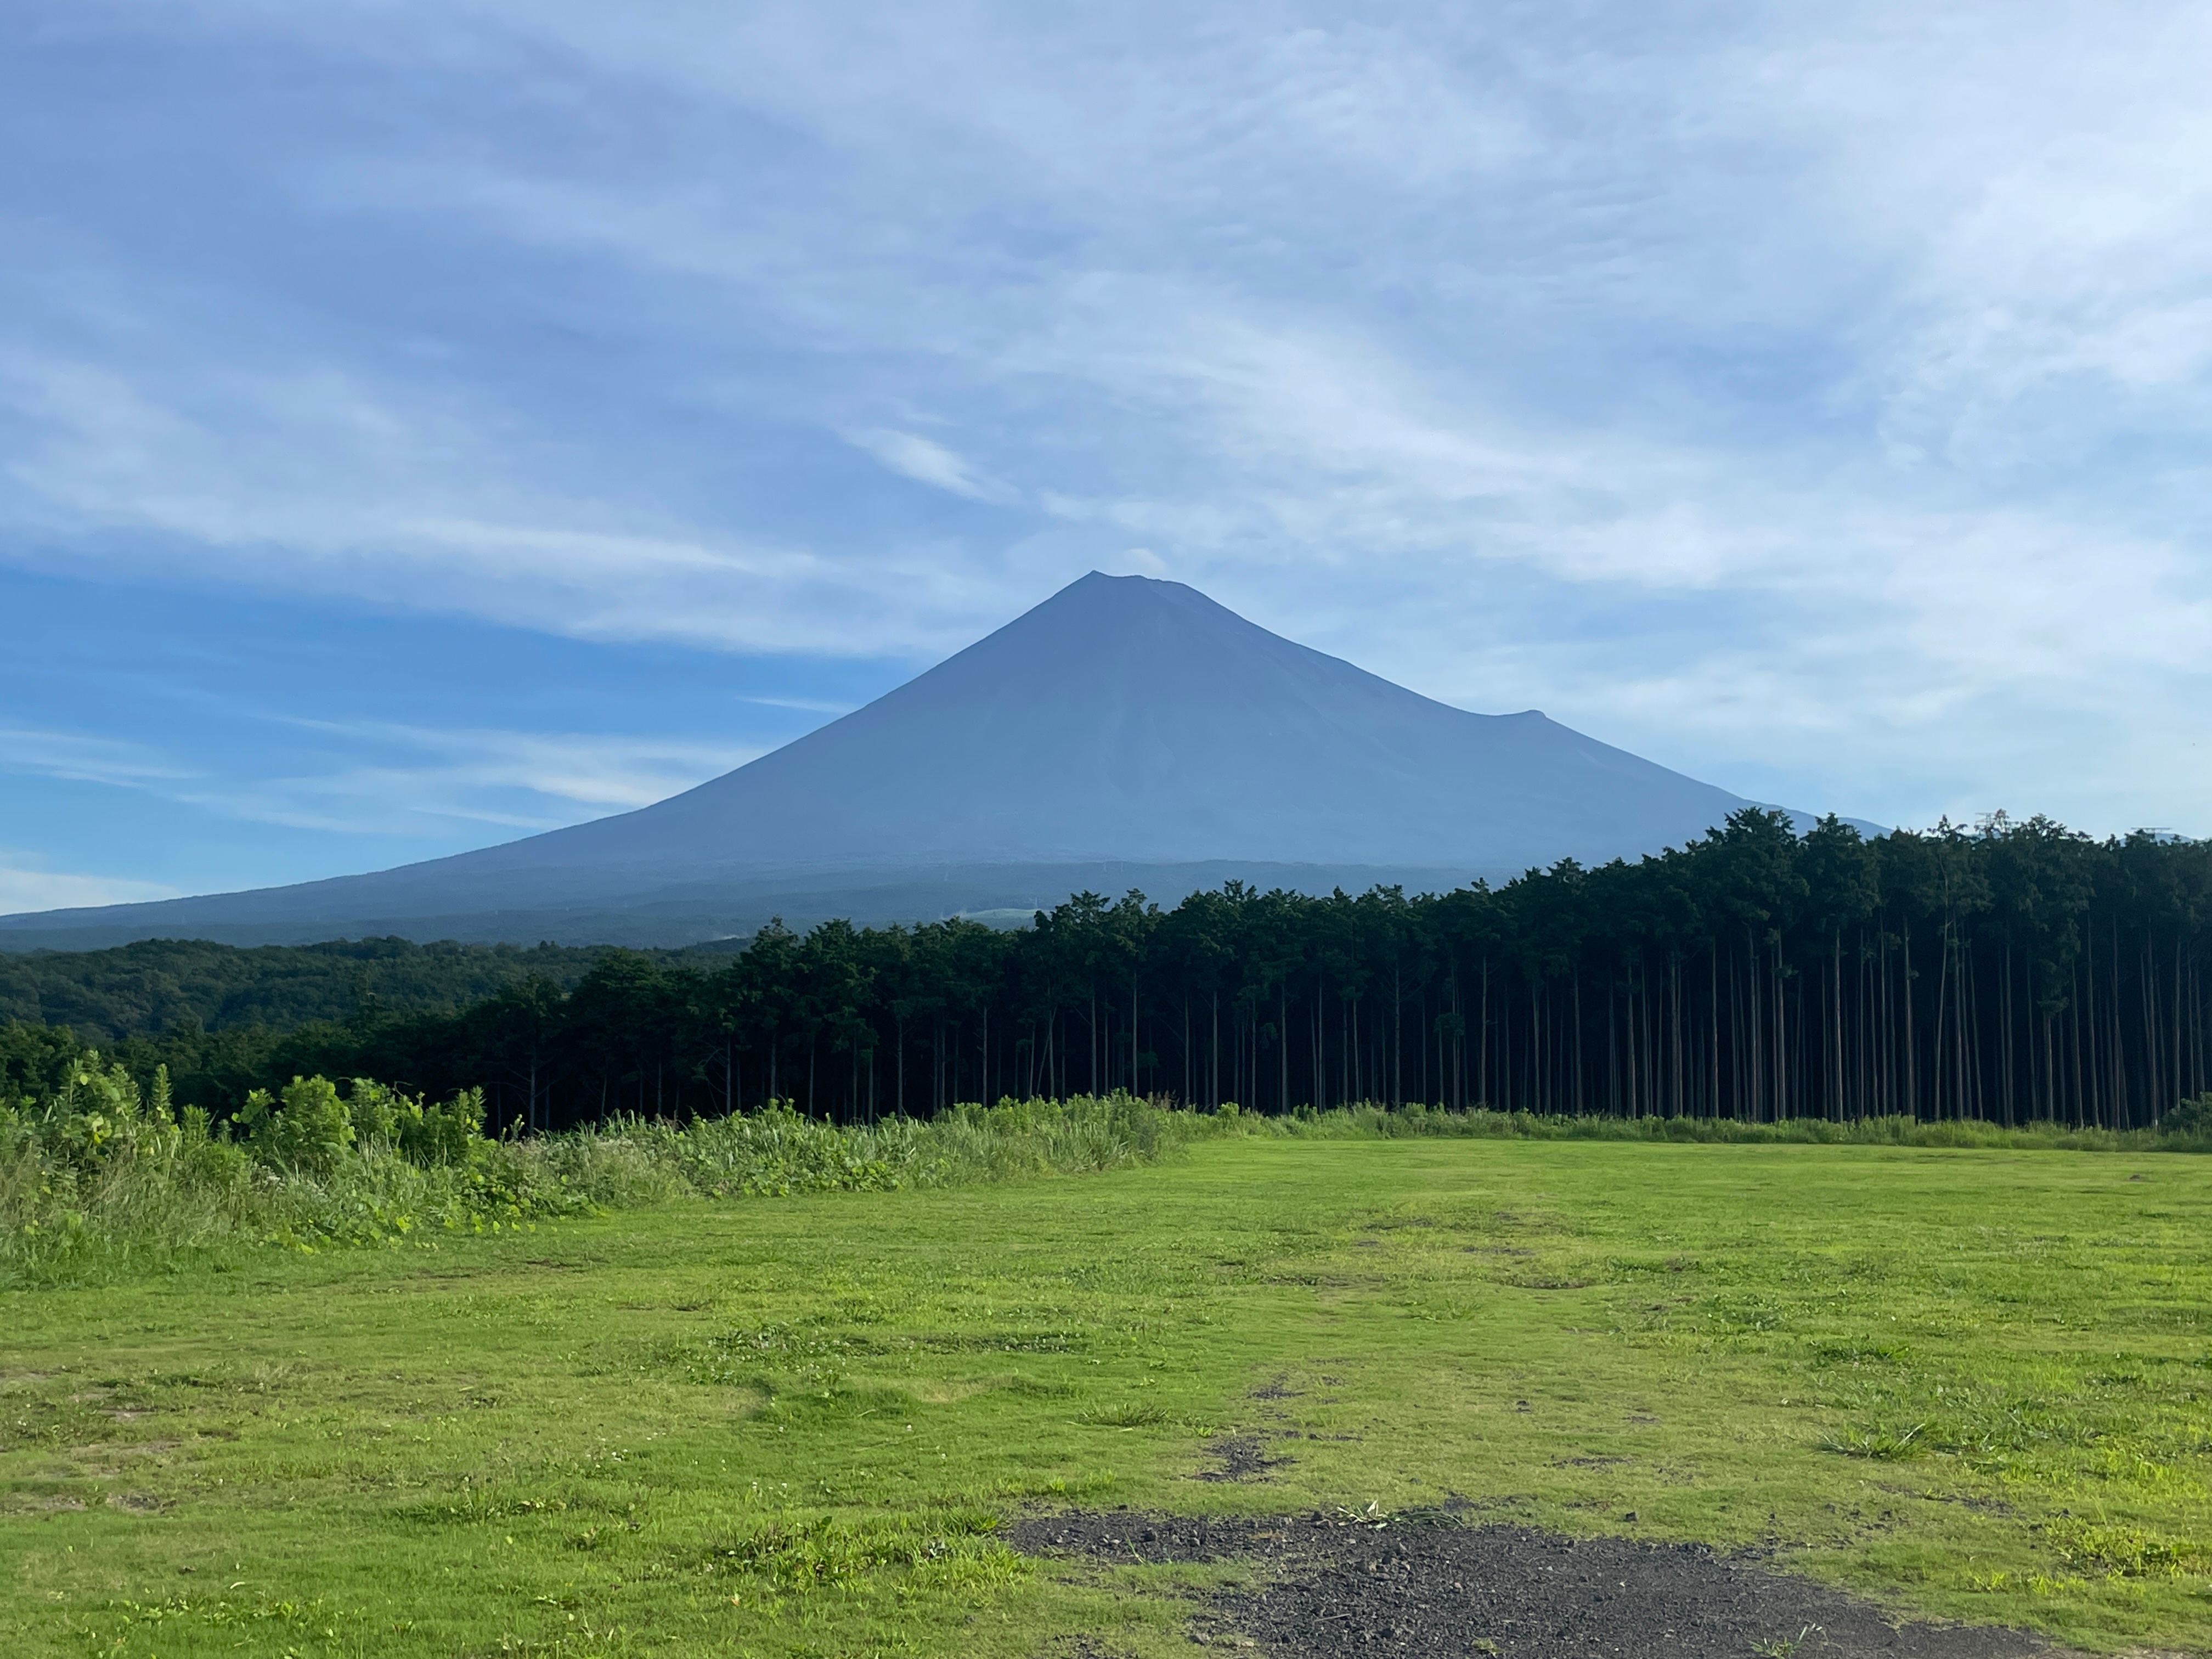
[[1126, 723]]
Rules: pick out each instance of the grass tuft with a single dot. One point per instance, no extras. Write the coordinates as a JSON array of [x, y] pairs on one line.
[[1888, 1445]]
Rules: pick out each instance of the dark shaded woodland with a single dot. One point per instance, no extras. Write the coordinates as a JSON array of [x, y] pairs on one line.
[[179, 984], [2015, 972]]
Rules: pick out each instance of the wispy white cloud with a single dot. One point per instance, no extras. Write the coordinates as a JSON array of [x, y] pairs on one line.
[[808, 705], [88, 757], [928, 462], [520, 780], [381, 778]]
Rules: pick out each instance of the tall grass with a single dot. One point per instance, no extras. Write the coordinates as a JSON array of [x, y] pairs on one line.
[[98, 1182]]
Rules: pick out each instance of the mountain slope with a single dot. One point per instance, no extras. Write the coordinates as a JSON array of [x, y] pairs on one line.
[[1124, 720]]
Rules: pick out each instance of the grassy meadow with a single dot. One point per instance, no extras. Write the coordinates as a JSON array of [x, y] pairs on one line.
[[1972, 1382]]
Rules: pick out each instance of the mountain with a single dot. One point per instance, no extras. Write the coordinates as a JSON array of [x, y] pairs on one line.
[[1125, 732]]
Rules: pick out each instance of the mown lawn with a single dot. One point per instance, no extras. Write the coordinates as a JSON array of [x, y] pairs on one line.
[[1971, 1383]]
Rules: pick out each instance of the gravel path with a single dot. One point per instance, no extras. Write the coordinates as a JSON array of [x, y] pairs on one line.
[[1330, 1586]]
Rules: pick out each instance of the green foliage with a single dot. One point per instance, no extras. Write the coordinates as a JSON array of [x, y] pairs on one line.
[[309, 1132], [444, 1134], [376, 1112], [198, 986], [97, 1181], [313, 1129], [2192, 1119]]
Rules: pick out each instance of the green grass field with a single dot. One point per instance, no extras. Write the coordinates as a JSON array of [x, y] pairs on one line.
[[1971, 1383]]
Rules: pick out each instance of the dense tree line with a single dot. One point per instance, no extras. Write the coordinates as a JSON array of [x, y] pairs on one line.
[[172, 985], [2014, 972]]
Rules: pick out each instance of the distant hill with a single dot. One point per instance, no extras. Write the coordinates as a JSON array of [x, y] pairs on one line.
[[158, 986], [1125, 733]]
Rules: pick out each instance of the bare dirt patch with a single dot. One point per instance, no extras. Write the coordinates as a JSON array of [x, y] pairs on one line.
[[1330, 1586], [1238, 1457]]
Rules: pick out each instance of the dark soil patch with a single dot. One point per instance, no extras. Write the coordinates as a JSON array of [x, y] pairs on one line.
[[1333, 1587], [1238, 1457]]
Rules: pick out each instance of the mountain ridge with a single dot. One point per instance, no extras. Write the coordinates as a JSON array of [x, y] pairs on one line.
[[1125, 723]]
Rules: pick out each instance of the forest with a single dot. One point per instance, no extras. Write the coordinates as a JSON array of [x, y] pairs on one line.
[[175, 985], [2013, 972]]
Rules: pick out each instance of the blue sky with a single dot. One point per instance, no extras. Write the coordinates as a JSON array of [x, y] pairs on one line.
[[421, 424]]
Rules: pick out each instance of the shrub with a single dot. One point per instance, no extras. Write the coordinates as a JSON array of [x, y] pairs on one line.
[[444, 1134], [2192, 1119], [310, 1131], [376, 1112]]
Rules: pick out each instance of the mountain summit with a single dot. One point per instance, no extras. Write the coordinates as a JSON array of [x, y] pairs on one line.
[[1124, 723]]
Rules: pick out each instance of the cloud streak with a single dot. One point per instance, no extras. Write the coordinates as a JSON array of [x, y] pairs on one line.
[[370, 777], [523, 781], [86, 757]]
